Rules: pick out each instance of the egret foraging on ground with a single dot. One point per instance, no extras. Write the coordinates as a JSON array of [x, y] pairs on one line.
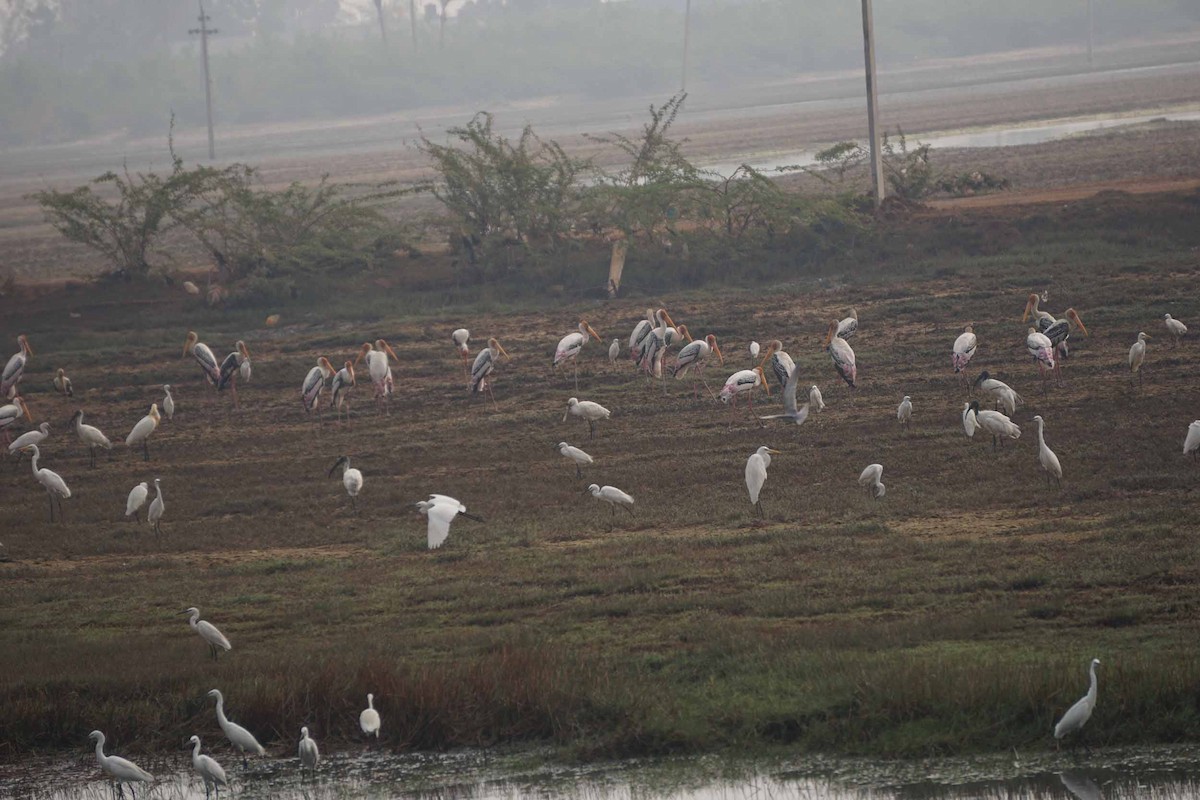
[[577, 456], [441, 511], [964, 349], [379, 369], [484, 366], [692, 358], [215, 640], [343, 381], [352, 479], [614, 350], [461, 337], [1191, 442], [969, 420], [842, 355], [62, 384], [91, 436], [1046, 456], [848, 326], [9, 414], [157, 507], [815, 399], [790, 411], [1078, 714], [1042, 351], [369, 720], [1000, 391], [168, 403], [995, 423], [15, 368], [613, 496], [314, 384], [570, 345], [871, 480], [586, 409], [204, 357], [904, 412], [141, 432], [119, 769], [1174, 327], [308, 753], [52, 482], [137, 499], [238, 736], [208, 769], [1137, 355], [756, 475], [36, 436]]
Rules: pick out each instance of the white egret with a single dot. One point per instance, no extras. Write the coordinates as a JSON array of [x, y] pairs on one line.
[[62, 384], [55, 486], [379, 369], [1040, 350], [613, 496], [755, 349], [142, 430], [369, 720], [995, 423], [215, 640], [570, 345], [1000, 391], [314, 384], [204, 357], [484, 366], [586, 409], [15, 368], [1174, 327], [352, 479], [815, 399], [1137, 355], [238, 736], [848, 326], [168, 403], [842, 356], [1046, 456], [871, 479], [575, 455], [137, 499], [964, 349], [969, 420], [780, 362], [1191, 442], [790, 411], [440, 511], [904, 412], [119, 769], [756, 475], [308, 753], [693, 356], [343, 381], [1078, 714], [91, 436], [36, 436], [157, 507], [208, 769], [614, 351], [9, 414]]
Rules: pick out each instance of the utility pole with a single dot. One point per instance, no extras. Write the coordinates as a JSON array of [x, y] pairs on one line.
[[872, 101], [412, 16], [687, 36], [382, 29], [1091, 31], [204, 32]]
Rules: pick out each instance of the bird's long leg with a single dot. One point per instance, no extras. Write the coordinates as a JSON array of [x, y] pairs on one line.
[[233, 389], [354, 503], [92, 457], [50, 497], [591, 429], [146, 449], [578, 471], [575, 365], [490, 395], [630, 510], [61, 516]]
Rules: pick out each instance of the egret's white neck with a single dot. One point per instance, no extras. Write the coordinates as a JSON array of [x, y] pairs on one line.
[[1092, 687], [196, 750]]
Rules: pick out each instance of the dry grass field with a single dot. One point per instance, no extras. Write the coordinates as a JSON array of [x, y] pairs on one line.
[[959, 612]]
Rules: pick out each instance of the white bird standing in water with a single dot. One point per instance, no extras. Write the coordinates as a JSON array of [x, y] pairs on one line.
[[1046, 456], [1078, 714], [308, 753], [1191, 442], [904, 412], [1174, 327], [141, 432], [157, 507], [1137, 355], [756, 475], [871, 480], [208, 769], [52, 482], [586, 409], [441, 511], [119, 769], [137, 499], [575, 455], [238, 736], [815, 399], [352, 479], [369, 720], [168, 404], [215, 640]]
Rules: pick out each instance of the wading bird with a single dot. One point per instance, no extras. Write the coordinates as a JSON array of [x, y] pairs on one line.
[[168, 403], [653, 345], [208, 769], [236, 365], [743, 382], [575, 455], [15, 368], [91, 436], [119, 769], [995, 423], [484, 366], [904, 412], [570, 345], [36, 436], [1041, 319], [157, 507], [1078, 714], [461, 337], [842, 356], [9, 414], [1191, 442], [369, 720], [1174, 327], [314, 384], [815, 399], [1059, 331], [1046, 456], [780, 362], [755, 349], [1042, 351], [352, 479], [142, 430], [62, 384], [343, 381], [871, 480], [440, 511], [215, 640], [614, 351], [379, 369], [692, 358], [969, 420], [1000, 391], [790, 411], [756, 475], [137, 499], [238, 736], [308, 753], [848, 326], [613, 496], [964, 349], [639, 333], [204, 357], [52, 482], [586, 409], [1137, 355]]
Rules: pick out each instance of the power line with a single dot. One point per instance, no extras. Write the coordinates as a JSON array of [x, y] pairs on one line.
[[205, 32]]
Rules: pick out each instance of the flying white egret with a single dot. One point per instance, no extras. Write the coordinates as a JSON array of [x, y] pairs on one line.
[[842, 355], [1000, 391], [995, 423], [343, 381], [790, 411], [577, 456], [484, 366], [168, 403], [62, 384], [142, 430], [208, 769], [1174, 327], [369, 720], [613, 496], [204, 357], [157, 507], [693, 356], [871, 479], [91, 436], [55, 486], [215, 640], [570, 345], [236, 365], [440, 511], [904, 412], [1042, 351], [379, 369], [743, 382], [119, 769], [969, 421], [352, 479], [9, 414], [1191, 442], [586, 409], [815, 399], [1046, 456], [308, 753], [1078, 714], [36, 436], [614, 351], [756, 475], [15, 368], [314, 384], [238, 736], [1137, 355], [755, 349], [780, 362], [137, 499], [848, 326], [964, 349]]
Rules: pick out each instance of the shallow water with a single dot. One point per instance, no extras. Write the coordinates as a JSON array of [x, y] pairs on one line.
[[1162, 772]]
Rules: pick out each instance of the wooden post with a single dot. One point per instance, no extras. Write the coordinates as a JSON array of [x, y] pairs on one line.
[[412, 14], [872, 101]]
